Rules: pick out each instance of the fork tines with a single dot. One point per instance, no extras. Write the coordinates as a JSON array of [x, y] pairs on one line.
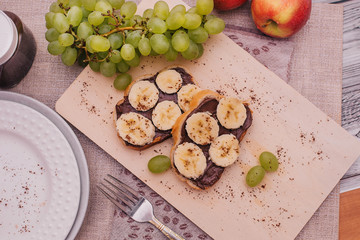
[[119, 193]]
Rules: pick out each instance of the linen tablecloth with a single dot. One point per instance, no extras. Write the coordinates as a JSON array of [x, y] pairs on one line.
[[314, 58]]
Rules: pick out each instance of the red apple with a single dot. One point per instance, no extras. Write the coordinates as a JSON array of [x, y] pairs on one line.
[[224, 5], [280, 18]]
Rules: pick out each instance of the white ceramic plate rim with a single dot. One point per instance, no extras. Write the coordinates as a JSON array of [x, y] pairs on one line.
[[60, 123]]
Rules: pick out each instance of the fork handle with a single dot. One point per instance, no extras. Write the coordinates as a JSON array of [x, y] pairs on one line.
[[170, 234]]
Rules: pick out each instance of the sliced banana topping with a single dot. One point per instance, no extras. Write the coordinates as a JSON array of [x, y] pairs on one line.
[[231, 113], [169, 81], [165, 114], [224, 150], [189, 160], [186, 94], [143, 95], [135, 129], [202, 128]]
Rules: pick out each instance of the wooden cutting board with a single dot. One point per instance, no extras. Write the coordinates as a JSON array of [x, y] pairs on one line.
[[313, 150]]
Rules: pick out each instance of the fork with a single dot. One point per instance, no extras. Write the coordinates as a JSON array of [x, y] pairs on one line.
[[134, 205]]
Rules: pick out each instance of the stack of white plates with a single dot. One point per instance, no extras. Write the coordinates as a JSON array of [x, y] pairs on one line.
[[43, 172]]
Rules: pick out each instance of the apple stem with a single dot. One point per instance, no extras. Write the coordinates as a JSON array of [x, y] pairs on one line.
[[269, 22]]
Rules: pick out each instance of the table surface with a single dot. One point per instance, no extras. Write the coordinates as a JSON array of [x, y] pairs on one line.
[[351, 83], [350, 89]]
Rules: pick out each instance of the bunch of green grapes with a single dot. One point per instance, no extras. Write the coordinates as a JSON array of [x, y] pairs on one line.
[[107, 35]]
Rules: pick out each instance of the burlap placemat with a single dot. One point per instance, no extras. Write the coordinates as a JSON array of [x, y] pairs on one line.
[[314, 70]]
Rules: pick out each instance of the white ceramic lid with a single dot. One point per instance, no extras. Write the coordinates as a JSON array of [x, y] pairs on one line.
[[8, 38]]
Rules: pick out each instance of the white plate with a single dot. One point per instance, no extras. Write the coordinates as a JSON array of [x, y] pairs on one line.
[[40, 178], [75, 145]]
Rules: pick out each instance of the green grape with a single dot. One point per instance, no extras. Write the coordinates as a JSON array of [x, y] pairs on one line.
[[95, 66], [84, 30], [116, 40], [89, 4], [108, 69], [55, 48], [171, 54], [180, 41], [255, 176], [104, 28], [115, 56], [191, 52], [198, 35], [48, 25], [156, 25], [159, 43], [210, 16], [126, 23], [102, 55], [54, 7], [116, 3], [122, 81], [85, 12], [111, 21], [96, 18], [153, 53], [159, 164], [88, 46], [192, 10], [68, 57], [64, 2], [135, 20], [128, 9], [204, 7], [103, 7], [214, 25], [49, 18], [99, 43], [201, 50], [52, 35], [192, 21], [148, 13], [133, 38], [168, 34], [144, 46], [75, 16], [75, 3], [161, 10], [175, 20], [127, 52], [122, 66], [269, 162], [178, 8], [61, 23], [134, 62], [66, 39]]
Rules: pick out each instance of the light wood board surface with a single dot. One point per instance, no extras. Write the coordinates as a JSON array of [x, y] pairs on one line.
[[313, 150]]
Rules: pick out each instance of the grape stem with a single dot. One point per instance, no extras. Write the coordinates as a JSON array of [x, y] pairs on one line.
[[121, 29]]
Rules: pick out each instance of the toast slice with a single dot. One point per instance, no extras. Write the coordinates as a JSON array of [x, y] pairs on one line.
[[207, 137], [151, 105]]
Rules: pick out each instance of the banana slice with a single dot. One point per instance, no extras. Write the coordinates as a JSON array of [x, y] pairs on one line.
[[202, 128], [165, 114], [224, 150], [186, 94], [189, 160], [231, 113], [135, 129], [143, 95], [169, 81]]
